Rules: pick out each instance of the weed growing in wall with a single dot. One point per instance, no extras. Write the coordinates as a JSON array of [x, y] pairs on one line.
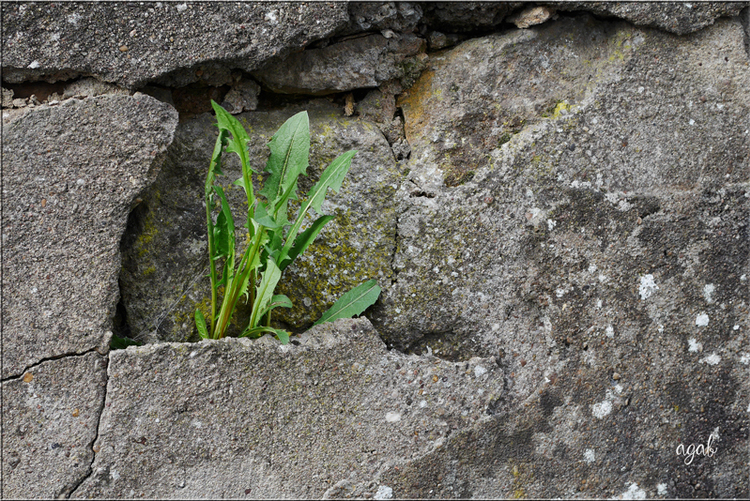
[[274, 240]]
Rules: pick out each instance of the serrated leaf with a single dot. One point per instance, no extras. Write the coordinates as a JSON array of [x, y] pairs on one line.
[[238, 143], [200, 323], [264, 218], [304, 240], [332, 178], [353, 302], [290, 149]]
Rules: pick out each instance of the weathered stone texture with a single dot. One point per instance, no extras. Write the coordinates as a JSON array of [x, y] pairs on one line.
[[175, 44], [70, 175], [361, 62], [680, 18], [50, 420], [236, 418]]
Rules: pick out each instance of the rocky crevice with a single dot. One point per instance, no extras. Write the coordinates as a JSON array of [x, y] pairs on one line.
[[69, 491]]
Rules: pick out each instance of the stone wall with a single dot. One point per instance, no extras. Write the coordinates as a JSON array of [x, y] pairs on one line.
[[554, 198]]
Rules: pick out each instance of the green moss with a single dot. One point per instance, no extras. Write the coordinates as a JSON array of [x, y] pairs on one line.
[[504, 139]]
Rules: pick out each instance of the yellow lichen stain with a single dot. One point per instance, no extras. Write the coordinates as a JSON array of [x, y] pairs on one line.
[[28, 377], [559, 108]]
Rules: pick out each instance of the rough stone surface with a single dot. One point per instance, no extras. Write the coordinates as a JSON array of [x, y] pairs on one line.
[[356, 63], [175, 44], [165, 258], [458, 17], [675, 17], [243, 96], [402, 17], [560, 216], [259, 419], [70, 174], [488, 169], [50, 420]]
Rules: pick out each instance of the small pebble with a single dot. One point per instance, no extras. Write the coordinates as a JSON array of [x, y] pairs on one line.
[[616, 376]]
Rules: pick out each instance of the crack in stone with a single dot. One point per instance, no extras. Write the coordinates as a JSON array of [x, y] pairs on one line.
[[97, 349], [67, 493]]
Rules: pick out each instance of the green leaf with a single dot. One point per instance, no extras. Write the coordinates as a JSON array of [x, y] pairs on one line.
[[200, 323], [120, 343], [224, 229], [304, 240], [281, 334], [290, 149], [278, 301], [332, 178], [238, 143], [353, 302], [264, 218], [264, 292]]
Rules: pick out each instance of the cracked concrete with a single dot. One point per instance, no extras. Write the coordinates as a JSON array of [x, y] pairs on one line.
[[50, 420]]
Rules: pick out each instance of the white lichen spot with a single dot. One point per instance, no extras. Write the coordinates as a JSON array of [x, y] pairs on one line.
[[384, 492], [712, 359], [601, 409], [114, 474], [736, 327], [660, 328], [307, 302], [661, 489], [197, 424], [392, 417], [589, 456], [599, 304], [560, 292], [647, 287], [272, 17], [745, 359], [634, 492], [551, 224], [423, 404], [34, 65], [602, 278], [708, 291], [479, 371], [691, 121], [182, 7], [610, 331], [592, 268], [694, 345], [701, 320], [74, 18]]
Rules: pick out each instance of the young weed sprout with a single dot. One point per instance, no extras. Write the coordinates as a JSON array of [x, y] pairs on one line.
[[274, 241]]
